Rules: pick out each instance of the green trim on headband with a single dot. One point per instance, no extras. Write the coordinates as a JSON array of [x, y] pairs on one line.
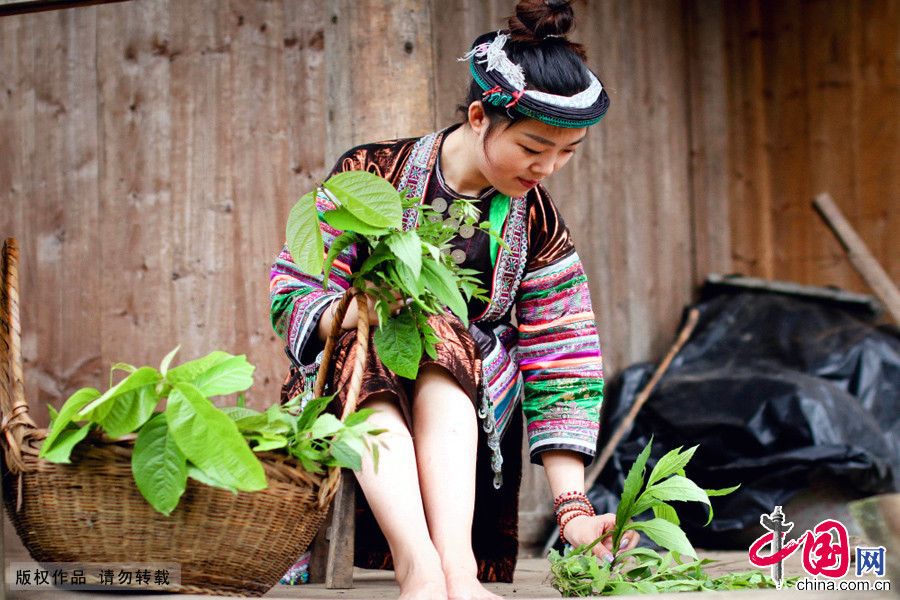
[[568, 123], [497, 216]]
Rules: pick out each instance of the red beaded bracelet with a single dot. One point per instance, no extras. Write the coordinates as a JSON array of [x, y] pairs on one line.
[[564, 522], [570, 496], [568, 503]]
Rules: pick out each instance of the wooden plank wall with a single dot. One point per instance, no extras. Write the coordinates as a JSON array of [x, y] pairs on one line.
[[814, 106], [151, 150]]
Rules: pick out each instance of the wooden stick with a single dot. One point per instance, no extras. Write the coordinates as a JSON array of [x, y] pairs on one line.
[[860, 257], [625, 425]]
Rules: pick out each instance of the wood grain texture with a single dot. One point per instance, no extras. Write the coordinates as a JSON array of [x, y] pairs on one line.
[[380, 72], [260, 167], [813, 88], [62, 210], [202, 222], [709, 131], [135, 253], [152, 150], [17, 146]]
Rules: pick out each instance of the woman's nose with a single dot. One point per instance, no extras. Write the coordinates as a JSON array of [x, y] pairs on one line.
[[543, 167]]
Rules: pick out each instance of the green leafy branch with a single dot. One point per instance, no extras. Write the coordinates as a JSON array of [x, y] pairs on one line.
[[412, 265], [193, 438], [577, 572]]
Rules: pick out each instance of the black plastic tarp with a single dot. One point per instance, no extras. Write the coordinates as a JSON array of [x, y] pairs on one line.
[[777, 391]]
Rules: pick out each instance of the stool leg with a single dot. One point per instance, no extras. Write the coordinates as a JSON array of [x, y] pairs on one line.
[[339, 566]]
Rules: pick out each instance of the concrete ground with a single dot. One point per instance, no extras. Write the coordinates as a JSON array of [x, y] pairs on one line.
[[530, 582]]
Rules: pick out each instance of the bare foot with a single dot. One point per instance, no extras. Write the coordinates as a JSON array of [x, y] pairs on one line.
[[419, 583], [464, 585]]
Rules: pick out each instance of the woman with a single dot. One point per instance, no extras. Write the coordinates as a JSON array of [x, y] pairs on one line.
[[445, 492]]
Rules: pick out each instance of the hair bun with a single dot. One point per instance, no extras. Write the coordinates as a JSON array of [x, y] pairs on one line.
[[536, 19]]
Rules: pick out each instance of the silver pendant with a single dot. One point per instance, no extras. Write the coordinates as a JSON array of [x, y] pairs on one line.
[[439, 204], [458, 256], [466, 231]]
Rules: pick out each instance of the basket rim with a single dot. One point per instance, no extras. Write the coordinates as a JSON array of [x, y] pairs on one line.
[[22, 437]]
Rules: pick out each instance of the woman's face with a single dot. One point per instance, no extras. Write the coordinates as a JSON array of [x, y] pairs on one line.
[[517, 158]]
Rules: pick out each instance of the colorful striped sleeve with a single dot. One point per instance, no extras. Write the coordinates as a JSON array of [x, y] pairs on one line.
[[298, 298], [559, 349]]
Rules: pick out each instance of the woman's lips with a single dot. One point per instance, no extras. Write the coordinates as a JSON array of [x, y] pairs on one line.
[[528, 183]]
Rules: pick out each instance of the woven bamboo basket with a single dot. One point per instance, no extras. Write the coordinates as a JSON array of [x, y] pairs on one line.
[[91, 510]]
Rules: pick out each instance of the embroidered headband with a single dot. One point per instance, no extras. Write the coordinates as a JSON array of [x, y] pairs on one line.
[[503, 82]]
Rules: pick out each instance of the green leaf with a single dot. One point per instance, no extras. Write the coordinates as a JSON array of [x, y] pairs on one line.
[[337, 246], [326, 425], [129, 410], [368, 196], [398, 345], [678, 488], [311, 412], [167, 360], [358, 417], [159, 466], [379, 255], [346, 456], [227, 377], [344, 220], [120, 367], [405, 282], [67, 413], [722, 492], [665, 534], [663, 511], [673, 462], [198, 475], [211, 440], [98, 409], [265, 442], [63, 444], [408, 248], [245, 418], [190, 371], [440, 281], [304, 238], [633, 483]]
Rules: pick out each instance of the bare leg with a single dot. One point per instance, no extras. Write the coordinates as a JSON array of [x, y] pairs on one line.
[[395, 498], [446, 437]]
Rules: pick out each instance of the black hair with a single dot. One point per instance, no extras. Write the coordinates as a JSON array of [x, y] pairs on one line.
[[550, 61]]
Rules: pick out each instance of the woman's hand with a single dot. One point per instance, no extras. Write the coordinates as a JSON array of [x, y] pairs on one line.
[[584, 530], [351, 316]]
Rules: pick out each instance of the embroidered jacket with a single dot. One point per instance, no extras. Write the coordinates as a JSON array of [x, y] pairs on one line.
[[538, 338]]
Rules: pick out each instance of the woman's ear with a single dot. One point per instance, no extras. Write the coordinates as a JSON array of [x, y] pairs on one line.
[[477, 118]]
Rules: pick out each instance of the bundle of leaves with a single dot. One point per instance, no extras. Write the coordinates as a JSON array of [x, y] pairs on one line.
[[193, 438], [413, 265], [578, 572]]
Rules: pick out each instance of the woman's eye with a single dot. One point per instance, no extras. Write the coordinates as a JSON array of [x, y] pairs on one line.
[[529, 150]]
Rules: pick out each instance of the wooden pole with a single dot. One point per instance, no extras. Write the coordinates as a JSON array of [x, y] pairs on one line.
[[860, 257]]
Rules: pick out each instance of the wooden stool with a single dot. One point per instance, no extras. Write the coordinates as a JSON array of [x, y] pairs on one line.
[[331, 554]]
